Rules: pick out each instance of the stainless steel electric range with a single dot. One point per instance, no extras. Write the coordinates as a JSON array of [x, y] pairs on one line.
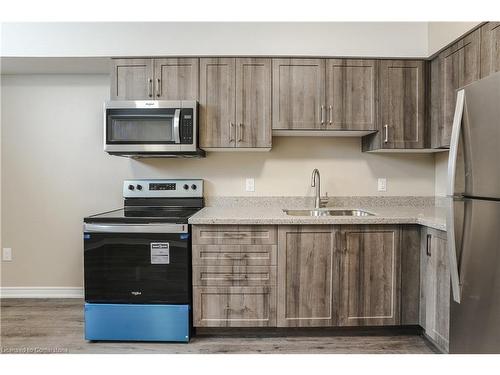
[[137, 263]]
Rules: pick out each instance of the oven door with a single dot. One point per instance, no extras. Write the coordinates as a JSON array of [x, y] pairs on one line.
[[142, 126], [131, 263]]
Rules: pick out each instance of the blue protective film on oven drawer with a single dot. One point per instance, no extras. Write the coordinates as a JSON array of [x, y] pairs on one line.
[[133, 322]]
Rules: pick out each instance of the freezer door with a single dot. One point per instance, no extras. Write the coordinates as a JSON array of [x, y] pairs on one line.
[[480, 140], [475, 321]]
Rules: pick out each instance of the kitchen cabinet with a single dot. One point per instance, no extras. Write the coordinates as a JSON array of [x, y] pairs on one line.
[[307, 266], [131, 79], [370, 275], [158, 79], [401, 123], [298, 100], [234, 275], [235, 103], [454, 68], [351, 94], [435, 287], [490, 48]]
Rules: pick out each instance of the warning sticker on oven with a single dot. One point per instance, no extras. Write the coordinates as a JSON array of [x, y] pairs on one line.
[[160, 253]]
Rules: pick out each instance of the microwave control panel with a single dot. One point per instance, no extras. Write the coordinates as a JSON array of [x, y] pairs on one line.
[[186, 126]]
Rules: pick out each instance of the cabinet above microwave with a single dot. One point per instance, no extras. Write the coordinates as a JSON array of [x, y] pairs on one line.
[[151, 128]]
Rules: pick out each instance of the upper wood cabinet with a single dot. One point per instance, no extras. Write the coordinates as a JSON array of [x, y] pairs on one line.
[[159, 79], [131, 79], [435, 287], [456, 67], [176, 79], [401, 121], [299, 94], [307, 267], [351, 94], [370, 275], [490, 48], [235, 103]]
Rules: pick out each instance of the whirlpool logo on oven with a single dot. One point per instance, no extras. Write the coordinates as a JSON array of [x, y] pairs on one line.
[[160, 252]]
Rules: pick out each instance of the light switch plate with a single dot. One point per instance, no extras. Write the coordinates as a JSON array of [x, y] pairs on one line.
[[250, 184], [7, 254], [382, 184]]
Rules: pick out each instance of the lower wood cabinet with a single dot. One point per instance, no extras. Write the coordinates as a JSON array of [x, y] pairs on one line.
[[370, 276], [435, 287], [307, 265], [309, 276], [234, 306]]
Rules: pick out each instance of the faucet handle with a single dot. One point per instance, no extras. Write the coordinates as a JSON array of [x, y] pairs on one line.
[[324, 200]]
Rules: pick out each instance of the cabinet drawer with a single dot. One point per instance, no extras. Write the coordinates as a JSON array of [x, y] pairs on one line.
[[234, 255], [234, 235], [234, 306], [234, 275]]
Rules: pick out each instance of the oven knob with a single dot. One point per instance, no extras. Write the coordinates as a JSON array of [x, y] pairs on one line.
[[193, 186], [131, 187], [186, 186], [139, 187]]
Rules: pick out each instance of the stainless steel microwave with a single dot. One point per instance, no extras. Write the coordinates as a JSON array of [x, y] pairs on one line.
[[151, 128]]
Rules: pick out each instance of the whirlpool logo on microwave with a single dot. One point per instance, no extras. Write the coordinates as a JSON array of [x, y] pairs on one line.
[[135, 293]]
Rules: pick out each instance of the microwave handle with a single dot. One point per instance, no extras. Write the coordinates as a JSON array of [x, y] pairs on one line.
[[177, 136]]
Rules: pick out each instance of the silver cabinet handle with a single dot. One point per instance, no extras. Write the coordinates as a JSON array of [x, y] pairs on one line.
[[158, 87], [150, 88], [240, 130], [322, 114], [330, 113], [231, 127], [428, 245], [386, 132]]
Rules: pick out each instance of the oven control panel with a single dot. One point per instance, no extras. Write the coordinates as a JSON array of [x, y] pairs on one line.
[[182, 188]]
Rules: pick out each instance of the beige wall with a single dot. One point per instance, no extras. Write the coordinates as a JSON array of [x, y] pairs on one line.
[[442, 33], [441, 173], [54, 172]]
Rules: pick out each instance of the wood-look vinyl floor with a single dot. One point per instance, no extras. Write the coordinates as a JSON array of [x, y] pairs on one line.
[[56, 326]]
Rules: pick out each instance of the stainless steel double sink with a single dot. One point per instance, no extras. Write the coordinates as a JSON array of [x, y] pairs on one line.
[[327, 212]]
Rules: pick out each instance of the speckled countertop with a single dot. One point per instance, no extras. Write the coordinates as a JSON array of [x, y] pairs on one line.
[[393, 210]]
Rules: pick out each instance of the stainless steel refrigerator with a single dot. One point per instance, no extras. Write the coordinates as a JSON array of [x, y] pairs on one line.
[[473, 219]]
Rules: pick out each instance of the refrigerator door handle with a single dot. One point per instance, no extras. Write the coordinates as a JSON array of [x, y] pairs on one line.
[[450, 217]]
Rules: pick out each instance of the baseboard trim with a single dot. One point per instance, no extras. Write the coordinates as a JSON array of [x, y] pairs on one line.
[[41, 292]]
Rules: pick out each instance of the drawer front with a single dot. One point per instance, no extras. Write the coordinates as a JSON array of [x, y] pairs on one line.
[[234, 307], [234, 275], [234, 255], [234, 235]]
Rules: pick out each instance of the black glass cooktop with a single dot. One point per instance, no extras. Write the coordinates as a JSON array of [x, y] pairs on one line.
[[135, 214]]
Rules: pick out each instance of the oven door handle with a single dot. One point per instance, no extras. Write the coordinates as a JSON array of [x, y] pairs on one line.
[[135, 228], [177, 136]]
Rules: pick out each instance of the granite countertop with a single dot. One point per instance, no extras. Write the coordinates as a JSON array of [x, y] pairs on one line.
[[389, 212]]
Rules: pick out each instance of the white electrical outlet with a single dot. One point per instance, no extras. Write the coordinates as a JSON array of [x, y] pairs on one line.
[[250, 184], [7, 254], [382, 184]]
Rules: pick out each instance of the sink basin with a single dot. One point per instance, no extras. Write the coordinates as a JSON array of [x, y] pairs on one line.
[[326, 212]]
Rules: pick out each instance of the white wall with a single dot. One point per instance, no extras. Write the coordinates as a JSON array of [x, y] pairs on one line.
[[441, 173], [54, 172], [379, 39], [442, 33]]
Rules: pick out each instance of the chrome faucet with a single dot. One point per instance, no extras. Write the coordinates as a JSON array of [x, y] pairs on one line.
[[316, 182]]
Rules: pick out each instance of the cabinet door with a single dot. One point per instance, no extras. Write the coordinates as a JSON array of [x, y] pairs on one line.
[[490, 48], [217, 103], [176, 79], [435, 288], [299, 94], [351, 91], [370, 276], [306, 268], [402, 112], [253, 102], [459, 66], [234, 306], [131, 79]]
